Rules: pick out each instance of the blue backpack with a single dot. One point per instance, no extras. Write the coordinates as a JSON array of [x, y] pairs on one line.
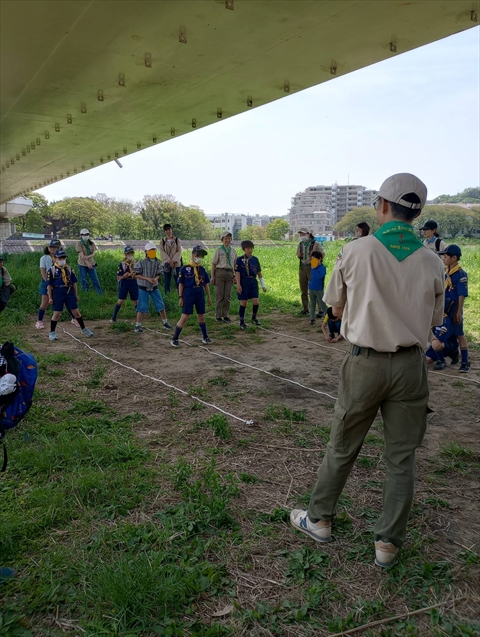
[[14, 407]]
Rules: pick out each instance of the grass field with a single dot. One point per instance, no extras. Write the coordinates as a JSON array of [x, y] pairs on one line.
[[130, 510]]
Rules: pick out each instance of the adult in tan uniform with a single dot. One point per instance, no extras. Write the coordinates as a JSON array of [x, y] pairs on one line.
[[223, 276], [304, 253], [388, 289], [171, 256], [86, 249]]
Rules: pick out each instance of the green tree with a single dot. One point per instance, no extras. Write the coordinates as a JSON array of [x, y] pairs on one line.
[[277, 229], [452, 220], [246, 234], [34, 222], [82, 212], [354, 217]]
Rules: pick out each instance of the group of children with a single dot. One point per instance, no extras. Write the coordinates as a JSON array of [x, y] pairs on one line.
[[139, 281]]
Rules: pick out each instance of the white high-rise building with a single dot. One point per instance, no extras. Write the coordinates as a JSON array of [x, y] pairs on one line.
[[321, 207]]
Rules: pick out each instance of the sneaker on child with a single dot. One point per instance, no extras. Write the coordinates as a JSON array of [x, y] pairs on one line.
[[53, 336], [87, 332], [39, 325]]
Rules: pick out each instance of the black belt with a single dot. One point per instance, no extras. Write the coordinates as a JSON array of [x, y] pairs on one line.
[[368, 351]]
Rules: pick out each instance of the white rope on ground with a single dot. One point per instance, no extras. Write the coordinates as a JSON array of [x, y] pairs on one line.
[[158, 380], [258, 369], [344, 351], [169, 335], [304, 340]]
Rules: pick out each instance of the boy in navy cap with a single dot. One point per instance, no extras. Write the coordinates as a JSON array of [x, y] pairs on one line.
[[193, 280], [247, 268], [62, 292], [127, 282], [456, 291]]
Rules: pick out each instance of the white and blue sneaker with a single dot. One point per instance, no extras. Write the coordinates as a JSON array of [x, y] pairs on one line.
[[53, 336], [321, 531], [385, 554], [87, 332]]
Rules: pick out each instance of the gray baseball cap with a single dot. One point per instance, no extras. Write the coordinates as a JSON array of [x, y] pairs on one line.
[[397, 186]]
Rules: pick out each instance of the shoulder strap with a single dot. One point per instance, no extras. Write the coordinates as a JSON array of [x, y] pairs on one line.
[[437, 244]]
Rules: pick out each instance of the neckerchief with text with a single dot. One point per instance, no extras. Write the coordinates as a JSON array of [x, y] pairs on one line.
[[399, 238]]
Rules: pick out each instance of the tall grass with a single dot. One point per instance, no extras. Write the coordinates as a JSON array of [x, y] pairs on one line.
[[279, 268]]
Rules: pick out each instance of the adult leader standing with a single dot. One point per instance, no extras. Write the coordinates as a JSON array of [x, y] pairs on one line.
[[432, 238], [304, 253], [86, 249], [223, 276], [171, 255], [389, 291]]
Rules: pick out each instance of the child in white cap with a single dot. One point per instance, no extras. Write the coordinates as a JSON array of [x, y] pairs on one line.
[[148, 271]]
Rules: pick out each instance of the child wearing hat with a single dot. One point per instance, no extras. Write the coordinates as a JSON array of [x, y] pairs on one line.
[[223, 276], [304, 253], [86, 249], [171, 255], [456, 291], [316, 285], [46, 262], [432, 239], [193, 282], [127, 282], [247, 268], [62, 292], [147, 273]]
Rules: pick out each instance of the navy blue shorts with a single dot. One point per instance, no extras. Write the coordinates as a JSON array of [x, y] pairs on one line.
[[457, 328], [63, 299], [126, 287], [193, 298], [249, 289]]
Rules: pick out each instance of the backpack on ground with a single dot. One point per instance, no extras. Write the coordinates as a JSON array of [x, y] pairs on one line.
[[15, 405]]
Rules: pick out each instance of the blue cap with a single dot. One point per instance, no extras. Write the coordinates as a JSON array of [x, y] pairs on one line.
[[452, 251]]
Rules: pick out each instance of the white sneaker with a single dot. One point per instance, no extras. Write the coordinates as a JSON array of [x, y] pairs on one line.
[[39, 325], [385, 554], [87, 332], [320, 531], [53, 336]]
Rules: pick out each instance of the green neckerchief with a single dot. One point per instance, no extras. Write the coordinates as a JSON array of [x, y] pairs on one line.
[[305, 248], [86, 246], [399, 239], [227, 252]]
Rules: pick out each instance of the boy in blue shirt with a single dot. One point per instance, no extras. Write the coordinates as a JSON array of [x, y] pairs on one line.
[[444, 343], [62, 291], [127, 282], [456, 291], [316, 285], [247, 268], [193, 282]]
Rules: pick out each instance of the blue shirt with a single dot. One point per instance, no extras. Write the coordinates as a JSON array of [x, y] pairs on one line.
[[54, 277], [187, 277], [124, 268], [248, 268], [459, 287], [317, 279]]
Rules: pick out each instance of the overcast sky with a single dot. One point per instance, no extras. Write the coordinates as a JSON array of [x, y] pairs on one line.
[[418, 112]]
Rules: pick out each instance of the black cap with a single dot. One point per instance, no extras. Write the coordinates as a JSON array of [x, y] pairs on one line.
[[60, 253], [199, 250], [430, 225], [247, 244], [452, 251], [167, 226], [128, 249]]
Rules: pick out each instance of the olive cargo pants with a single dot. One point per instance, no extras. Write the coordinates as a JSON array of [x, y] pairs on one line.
[[397, 384], [223, 291], [304, 276]]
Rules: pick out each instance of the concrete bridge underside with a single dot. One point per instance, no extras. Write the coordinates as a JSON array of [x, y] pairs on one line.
[[86, 81]]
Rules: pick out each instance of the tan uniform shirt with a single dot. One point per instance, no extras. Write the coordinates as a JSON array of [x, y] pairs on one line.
[[219, 259], [432, 245], [82, 253], [387, 303], [301, 252], [171, 250]]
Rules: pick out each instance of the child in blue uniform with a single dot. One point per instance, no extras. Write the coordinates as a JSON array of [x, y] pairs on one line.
[[62, 292], [444, 343], [193, 282], [127, 282], [316, 286], [331, 327], [247, 268], [456, 291]]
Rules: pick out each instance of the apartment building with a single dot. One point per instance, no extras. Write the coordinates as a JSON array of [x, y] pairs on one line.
[[322, 206]]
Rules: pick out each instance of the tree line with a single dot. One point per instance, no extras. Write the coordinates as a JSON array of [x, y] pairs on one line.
[[104, 215], [452, 220]]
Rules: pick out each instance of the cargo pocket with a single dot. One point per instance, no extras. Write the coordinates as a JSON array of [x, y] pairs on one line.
[[338, 426]]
